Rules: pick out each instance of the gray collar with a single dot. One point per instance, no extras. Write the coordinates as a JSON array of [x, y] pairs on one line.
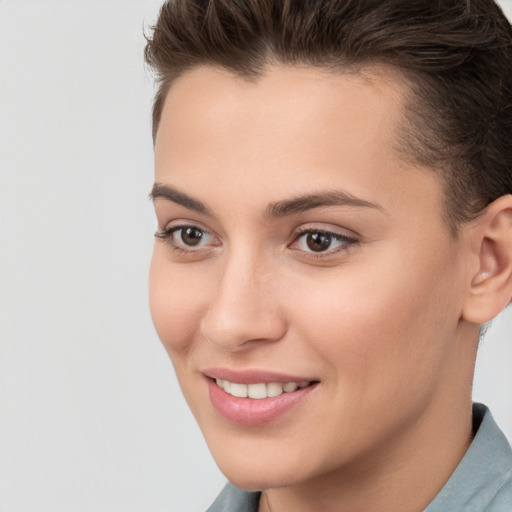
[[483, 478]]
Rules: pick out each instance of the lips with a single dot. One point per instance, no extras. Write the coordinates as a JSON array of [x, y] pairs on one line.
[[255, 397]]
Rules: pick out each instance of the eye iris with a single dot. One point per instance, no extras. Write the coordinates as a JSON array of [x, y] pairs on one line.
[[191, 236], [318, 242]]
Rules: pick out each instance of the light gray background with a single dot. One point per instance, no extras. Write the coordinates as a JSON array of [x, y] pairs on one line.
[[91, 417]]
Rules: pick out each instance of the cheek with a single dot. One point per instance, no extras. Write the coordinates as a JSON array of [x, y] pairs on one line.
[[177, 301], [377, 329]]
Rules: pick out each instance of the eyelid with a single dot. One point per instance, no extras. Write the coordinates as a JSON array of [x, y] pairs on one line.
[[328, 229], [321, 227], [182, 223]]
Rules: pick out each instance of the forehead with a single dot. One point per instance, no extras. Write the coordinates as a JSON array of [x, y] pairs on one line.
[[285, 99], [291, 130]]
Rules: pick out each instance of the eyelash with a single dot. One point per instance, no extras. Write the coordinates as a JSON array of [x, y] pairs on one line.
[[345, 241], [167, 236]]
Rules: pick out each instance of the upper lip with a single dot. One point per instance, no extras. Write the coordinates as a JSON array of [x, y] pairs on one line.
[[253, 376]]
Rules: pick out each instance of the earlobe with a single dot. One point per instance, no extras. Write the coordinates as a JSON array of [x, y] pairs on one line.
[[490, 288]]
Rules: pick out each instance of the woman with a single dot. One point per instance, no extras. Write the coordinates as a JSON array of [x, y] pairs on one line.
[[333, 194]]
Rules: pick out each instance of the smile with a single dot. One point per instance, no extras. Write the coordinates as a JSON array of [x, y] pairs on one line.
[[255, 402], [261, 390]]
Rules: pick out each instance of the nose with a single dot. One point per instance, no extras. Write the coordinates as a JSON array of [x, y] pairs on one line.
[[244, 308]]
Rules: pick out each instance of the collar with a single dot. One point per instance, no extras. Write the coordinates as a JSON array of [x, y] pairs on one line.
[[483, 479]]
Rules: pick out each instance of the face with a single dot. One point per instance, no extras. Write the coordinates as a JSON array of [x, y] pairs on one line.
[[301, 261]]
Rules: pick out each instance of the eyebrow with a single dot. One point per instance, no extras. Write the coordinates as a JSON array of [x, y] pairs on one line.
[[160, 191], [279, 209], [318, 200]]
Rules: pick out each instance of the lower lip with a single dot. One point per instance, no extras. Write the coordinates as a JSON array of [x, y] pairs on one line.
[[250, 411]]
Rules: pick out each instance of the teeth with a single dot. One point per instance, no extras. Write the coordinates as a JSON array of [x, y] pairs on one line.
[[290, 386], [274, 389], [259, 391], [224, 384], [239, 390]]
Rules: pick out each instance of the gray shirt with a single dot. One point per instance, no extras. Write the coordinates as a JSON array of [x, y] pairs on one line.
[[482, 482]]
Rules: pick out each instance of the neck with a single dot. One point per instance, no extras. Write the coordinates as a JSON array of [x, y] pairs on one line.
[[406, 477]]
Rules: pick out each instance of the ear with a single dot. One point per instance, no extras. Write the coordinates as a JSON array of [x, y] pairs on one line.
[[490, 288]]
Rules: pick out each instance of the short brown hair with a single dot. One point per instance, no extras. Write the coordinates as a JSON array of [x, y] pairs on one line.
[[456, 54]]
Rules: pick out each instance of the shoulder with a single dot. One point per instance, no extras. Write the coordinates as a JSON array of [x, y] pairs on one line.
[[232, 499]]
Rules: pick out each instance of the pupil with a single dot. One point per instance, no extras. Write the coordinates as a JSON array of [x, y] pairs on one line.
[[318, 241], [191, 236]]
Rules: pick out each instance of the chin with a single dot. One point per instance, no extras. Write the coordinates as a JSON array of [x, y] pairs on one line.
[[250, 480], [259, 473]]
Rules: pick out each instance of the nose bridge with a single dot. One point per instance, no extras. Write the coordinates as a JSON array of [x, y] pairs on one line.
[[244, 306]]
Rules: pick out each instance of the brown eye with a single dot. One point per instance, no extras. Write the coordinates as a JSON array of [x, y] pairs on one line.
[[191, 236], [322, 243], [318, 242], [188, 238]]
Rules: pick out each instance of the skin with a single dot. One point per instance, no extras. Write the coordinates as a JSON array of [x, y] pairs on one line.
[[387, 323]]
